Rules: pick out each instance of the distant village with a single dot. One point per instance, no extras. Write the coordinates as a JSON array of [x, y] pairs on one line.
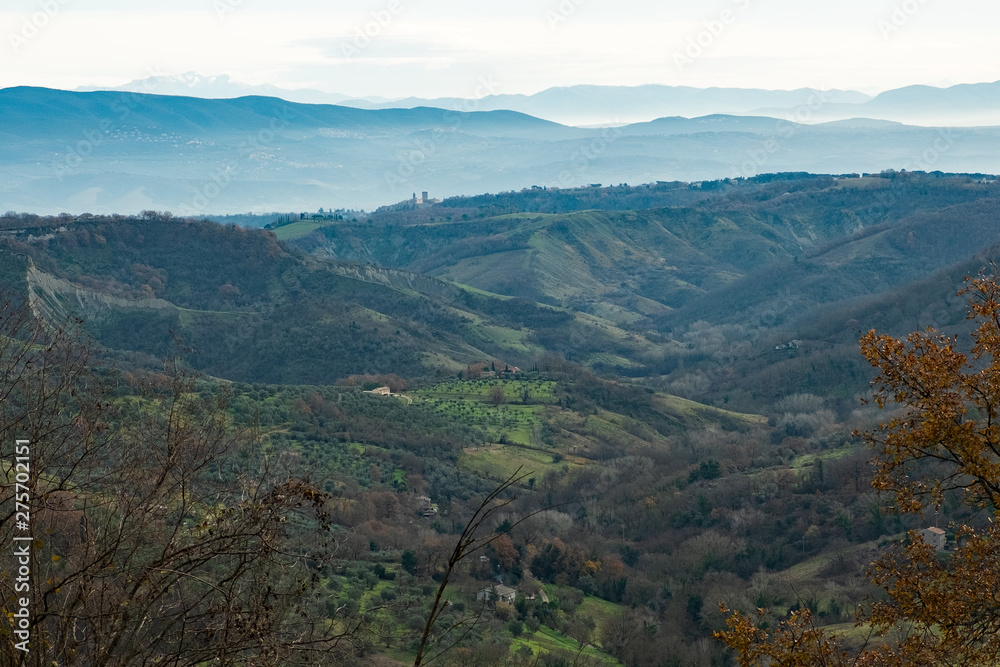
[[410, 204]]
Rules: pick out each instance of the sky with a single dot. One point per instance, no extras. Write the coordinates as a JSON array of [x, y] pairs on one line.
[[435, 48]]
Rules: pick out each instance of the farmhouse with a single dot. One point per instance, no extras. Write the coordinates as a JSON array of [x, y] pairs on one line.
[[935, 537], [381, 391], [500, 593], [426, 508]]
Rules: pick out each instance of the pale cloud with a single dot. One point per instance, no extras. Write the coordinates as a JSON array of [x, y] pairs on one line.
[[442, 47]]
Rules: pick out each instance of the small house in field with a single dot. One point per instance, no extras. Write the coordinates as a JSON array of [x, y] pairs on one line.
[[381, 391], [498, 593], [935, 537], [426, 508]]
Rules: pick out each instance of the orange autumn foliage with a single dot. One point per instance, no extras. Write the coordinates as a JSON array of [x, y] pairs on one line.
[[937, 611]]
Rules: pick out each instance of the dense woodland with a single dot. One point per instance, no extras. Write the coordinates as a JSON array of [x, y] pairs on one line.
[[647, 516], [668, 455]]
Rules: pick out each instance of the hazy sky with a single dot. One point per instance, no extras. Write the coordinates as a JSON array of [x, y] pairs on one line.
[[434, 48]]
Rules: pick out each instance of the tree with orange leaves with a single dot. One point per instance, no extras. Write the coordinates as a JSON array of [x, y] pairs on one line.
[[945, 441]]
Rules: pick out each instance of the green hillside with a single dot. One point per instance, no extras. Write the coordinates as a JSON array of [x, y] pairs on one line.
[[677, 388], [627, 266], [757, 253], [704, 294], [248, 309]]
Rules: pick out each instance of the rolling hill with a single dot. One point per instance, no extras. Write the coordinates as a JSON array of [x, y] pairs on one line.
[[745, 295], [758, 253], [250, 310], [680, 283], [113, 152]]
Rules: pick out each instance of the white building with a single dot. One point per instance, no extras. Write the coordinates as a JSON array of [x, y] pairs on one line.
[[935, 537]]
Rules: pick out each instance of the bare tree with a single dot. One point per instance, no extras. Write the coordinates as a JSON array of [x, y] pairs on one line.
[[497, 396], [162, 532], [469, 542]]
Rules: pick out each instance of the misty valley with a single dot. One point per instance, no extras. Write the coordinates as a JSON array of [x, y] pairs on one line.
[[545, 426]]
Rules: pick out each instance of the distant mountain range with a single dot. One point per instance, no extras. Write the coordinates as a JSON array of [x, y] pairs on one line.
[[191, 84], [961, 105], [125, 152], [617, 105]]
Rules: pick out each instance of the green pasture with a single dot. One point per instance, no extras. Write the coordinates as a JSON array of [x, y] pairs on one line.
[[548, 640], [298, 229]]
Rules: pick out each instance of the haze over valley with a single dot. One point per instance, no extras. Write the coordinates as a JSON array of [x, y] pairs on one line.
[[520, 334], [104, 152], [588, 105]]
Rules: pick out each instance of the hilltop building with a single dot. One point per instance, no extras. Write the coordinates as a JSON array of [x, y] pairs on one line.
[[424, 199], [410, 204]]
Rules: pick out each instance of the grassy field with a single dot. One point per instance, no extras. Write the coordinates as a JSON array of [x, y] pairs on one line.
[[611, 360], [547, 639], [515, 421], [510, 339], [699, 411], [809, 460], [594, 607], [298, 229], [809, 573], [502, 461], [513, 428], [503, 424]]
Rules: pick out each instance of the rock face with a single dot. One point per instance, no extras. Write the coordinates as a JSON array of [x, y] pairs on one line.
[[53, 299]]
